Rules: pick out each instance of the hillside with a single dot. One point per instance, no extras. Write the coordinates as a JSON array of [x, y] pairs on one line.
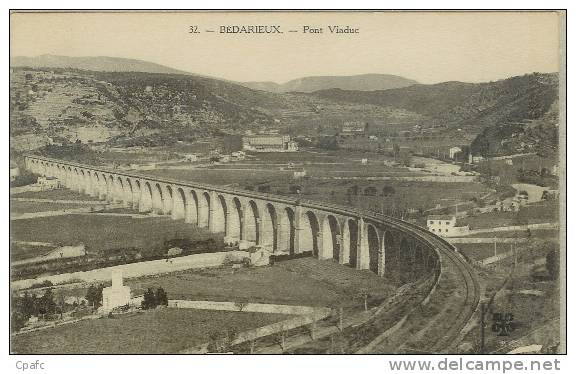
[[364, 82], [137, 108], [96, 106], [464, 105], [97, 63]]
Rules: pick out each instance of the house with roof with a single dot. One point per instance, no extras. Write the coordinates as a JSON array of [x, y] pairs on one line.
[[445, 225]]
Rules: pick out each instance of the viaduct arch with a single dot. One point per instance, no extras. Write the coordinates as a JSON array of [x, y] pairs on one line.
[[284, 225]]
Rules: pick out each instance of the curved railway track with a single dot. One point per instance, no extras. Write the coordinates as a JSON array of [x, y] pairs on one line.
[[450, 259], [452, 264]]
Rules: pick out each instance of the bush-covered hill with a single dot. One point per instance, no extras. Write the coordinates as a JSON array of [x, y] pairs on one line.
[[460, 104], [363, 82], [68, 104], [58, 102]]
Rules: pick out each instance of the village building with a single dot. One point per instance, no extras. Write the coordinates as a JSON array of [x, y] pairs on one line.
[[299, 174], [174, 251], [474, 159], [191, 157], [453, 151], [445, 225], [14, 172], [238, 155], [48, 183], [353, 128], [269, 143]]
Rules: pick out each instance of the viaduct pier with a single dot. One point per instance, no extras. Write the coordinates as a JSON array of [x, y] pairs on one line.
[[286, 225]]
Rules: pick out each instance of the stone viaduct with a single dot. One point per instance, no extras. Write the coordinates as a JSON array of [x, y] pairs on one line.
[[283, 224]]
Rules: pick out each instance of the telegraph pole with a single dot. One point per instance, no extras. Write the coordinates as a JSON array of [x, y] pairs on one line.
[[482, 326], [495, 251]]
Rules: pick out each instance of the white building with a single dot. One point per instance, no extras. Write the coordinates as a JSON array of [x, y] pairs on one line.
[[224, 158], [454, 151], [191, 157], [299, 174], [445, 225], [477, 159], [14, 172], [48, 183], [238, 155], [269, 143], [116, 295], [353, 128]]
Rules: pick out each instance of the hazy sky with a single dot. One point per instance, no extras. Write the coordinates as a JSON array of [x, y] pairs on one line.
[[428, 47]]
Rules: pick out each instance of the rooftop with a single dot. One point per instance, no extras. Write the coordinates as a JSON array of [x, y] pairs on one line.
[[444, 217]]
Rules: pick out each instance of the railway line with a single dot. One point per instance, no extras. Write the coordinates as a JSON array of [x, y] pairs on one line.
[[455, 274], [450, 262]]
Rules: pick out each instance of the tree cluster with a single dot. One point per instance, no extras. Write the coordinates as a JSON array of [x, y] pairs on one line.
[[24, 307], [94, 296], [152, 298]]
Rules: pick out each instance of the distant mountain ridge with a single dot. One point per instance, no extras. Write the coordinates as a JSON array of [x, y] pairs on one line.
[[513, 99], [363, 82], [96, 63], [137, 98]]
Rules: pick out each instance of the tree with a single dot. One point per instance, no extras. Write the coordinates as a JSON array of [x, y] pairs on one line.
[[370, 191], [388, 191], [364, 295], [46, 304], [149, 301], [294, 189], [328, 142], [17, 320], [264, 188], [90, 296], [28, 305], [406, 159], [94, 296], [240, 305], [99, 296], [161, 297], [396, 151], [553, 264], [353, 190]]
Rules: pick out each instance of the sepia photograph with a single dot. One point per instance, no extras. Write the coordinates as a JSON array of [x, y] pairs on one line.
[[287, 182]]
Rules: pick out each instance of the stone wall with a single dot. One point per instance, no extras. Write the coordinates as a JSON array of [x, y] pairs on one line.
[[138, 269]]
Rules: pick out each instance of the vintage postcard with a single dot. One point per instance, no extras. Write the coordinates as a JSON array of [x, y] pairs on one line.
[[288, 182]]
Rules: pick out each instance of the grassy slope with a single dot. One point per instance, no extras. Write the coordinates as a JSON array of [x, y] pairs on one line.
[[158, 331], [102, 232]]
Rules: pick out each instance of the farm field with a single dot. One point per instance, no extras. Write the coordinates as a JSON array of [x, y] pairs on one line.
[[407, 194], [545, 211], [59, 194], [480, 251], [533, 301], [164, 330], [19, 207], [329, 176], [24, 251], [296, 282], [540, 234], [240, 178], [105, 232]]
